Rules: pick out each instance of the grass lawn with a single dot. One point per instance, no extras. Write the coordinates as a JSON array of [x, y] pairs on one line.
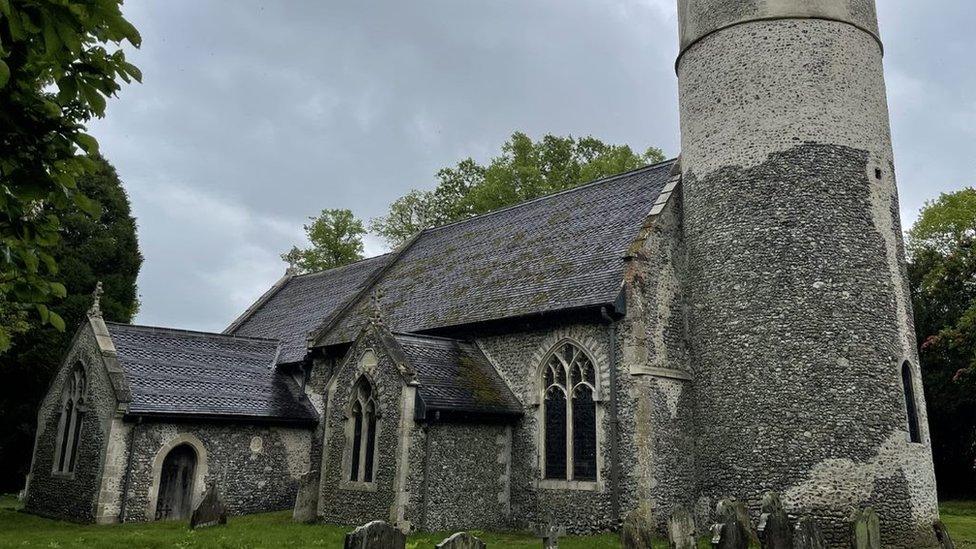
[[277, 530]]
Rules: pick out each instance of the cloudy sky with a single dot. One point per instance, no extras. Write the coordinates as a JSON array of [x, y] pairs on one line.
[[255, 115]]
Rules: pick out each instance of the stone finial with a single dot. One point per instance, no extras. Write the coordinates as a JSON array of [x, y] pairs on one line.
[[681, 530], [292, 271], [865, 529], [95, 311], [376, 307], [549, 532], [774, 526]]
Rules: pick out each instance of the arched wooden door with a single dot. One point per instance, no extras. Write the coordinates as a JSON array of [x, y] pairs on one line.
[[176, 484]]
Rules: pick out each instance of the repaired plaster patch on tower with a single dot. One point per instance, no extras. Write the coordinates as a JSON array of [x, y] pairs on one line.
[[297, 443]]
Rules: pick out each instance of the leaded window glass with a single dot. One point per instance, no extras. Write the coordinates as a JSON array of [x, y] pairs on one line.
[[363, 414], [72, 415], [569, 412]]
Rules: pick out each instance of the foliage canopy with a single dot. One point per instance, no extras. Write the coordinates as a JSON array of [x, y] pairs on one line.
[[55, 75], [337, 240]]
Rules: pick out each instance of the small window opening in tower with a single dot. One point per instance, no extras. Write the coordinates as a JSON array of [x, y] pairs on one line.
[[911, 409], [877, 173]]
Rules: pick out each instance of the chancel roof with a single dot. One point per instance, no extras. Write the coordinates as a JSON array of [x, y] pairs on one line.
[[181, 373]]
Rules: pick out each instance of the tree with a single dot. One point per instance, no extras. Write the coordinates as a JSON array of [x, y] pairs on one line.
[[525, 170], [337, 240], [55, 75], [942, 272], [91, 249]]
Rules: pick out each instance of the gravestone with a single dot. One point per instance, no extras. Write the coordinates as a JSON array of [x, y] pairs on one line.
[[733, 530], [942, 535], [376, 535], [307, 500], [461, 540], [774, 526], [865, 529], [808, 535], [638, 531], [681, 530], [210, 512], [549, 532]]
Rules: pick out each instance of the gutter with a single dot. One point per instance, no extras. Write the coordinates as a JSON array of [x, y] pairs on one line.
[[614, 421]]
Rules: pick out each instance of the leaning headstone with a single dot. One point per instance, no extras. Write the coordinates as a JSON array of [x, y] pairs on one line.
[[376, 535], [733, 529], [808, 535], [865, 529], [774, 526], [942, 535], [549, 532], [307, 500], [210, 512], [638, 531], [461, 540], [681, 530]]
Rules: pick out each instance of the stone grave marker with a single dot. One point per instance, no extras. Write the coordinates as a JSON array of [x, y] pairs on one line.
[[681, 530], [733, 530], [942, 536], [307, 500], [638, 530], [865, 529], [210, 512], [549, 532], [774, 526], [376, 535], [461, 540], [808, 535]]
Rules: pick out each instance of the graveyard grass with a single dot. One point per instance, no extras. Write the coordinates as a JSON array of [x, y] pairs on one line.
[[277, 530]]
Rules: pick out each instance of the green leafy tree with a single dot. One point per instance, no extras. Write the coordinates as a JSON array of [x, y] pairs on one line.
[[943, 278], [337, 240], [91, 249], [55, 75], [526, 169]]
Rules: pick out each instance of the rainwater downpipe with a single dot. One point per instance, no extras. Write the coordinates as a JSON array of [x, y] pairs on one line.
[[614, 421]]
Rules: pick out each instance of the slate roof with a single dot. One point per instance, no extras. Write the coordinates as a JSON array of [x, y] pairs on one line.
[[182, 373], [299, 305], [455, 376], [558, 252]]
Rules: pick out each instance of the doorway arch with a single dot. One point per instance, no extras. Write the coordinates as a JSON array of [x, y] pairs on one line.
[[179, 473]]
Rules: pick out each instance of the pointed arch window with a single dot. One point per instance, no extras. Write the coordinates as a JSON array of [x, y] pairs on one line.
[[69, 427], [914, 434], [363, 414], [569, 412]]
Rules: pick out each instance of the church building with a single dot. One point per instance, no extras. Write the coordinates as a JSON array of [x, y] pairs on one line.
[[729, 323]]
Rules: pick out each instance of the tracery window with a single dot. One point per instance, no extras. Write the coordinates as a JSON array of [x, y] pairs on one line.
[[911, 409], [69, 428], [569, 412], [363, 414]]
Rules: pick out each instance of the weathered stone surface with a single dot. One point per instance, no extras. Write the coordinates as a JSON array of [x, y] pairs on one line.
[[376, 535], [808, 535], [307, 500], [681, 530], [210, 512], [733, 530], [461, 540], [865, 529], [549, 532], [638, 530], [774, 526], [942, 535]]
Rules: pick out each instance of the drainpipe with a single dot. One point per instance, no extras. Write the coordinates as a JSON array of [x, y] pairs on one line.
[[128, 470], [614, 422]]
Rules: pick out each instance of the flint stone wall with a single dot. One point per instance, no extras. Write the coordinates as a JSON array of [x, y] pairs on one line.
[[72, 497], [251, 476]]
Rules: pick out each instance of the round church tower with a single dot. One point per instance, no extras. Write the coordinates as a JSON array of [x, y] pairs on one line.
[[802, 335]]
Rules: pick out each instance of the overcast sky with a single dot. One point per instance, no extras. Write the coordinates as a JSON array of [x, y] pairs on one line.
[[253, 116]]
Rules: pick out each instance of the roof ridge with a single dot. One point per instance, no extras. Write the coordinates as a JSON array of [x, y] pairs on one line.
[[196, 333], [587, 185], [341, 267], [429, 337]]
